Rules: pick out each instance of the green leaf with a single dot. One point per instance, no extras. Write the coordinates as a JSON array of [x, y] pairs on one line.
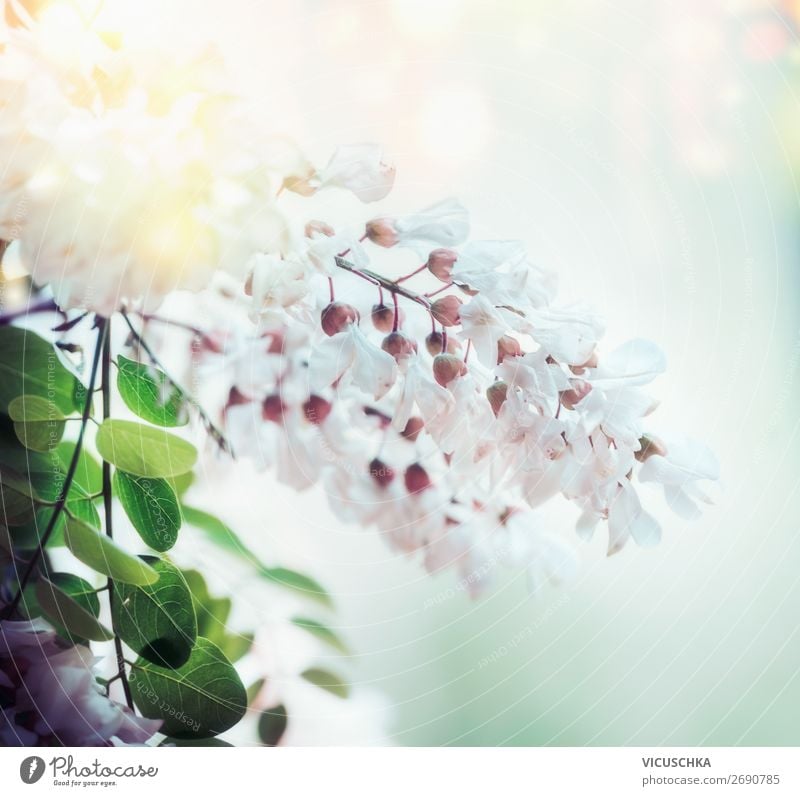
[[158, 622], [328, 681], [32, 408], [321, 632], [148, 393], [272, 725], [29, 365], [236, 645], [89, 473], [226, 538], [183, 742], [254, 689], [144, 450], [104, 555], [202, 698], [152, 508], [212, 612], [181, 483], [66, 611]]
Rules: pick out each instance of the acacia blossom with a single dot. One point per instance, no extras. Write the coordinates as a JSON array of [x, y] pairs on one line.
[[49, 694]]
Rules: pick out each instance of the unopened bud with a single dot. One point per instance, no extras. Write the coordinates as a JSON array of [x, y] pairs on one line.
[[398, 345], [413, 429], [273, 408], [447, 367], [416, 478], [316, 409], [579, 370], [440, 263], [579, 390], [382, 473], [435, 344], [337, 316], [316, 228], [650, 446], [497, 395], [383, 317], [381, 232], [446, 310], [508, 347]]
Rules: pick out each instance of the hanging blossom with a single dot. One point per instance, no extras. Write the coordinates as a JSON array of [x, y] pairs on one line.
[[446, 418], [129, 170], [49, 694]]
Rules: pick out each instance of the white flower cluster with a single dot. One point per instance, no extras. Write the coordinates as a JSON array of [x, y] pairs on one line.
[[49, 694], [445, 419]]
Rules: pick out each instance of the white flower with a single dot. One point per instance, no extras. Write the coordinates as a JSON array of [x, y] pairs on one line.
[[632, 364], [686, 462], [350, 353], [540, 380], [444, 224], [568, 334], [359, 168], [276, 282], [627, 518], [484, 326]]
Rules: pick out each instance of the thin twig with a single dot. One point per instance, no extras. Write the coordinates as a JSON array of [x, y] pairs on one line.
[[383, 282], [211, 429], [61, 500], [108, 504]]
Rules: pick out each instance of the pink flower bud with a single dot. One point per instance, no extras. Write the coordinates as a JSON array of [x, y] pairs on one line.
[[447, 367], [434, 341], [383, 317], [416, 479], [273, 408], [382, 473], [580, 389], [316, 228], [413, 429], [579, 370], [651, 446], [446, 310], [399, 346], [497, 395], [337, 316], [381, 232], [317, 409], [508, 347], [441, 262]]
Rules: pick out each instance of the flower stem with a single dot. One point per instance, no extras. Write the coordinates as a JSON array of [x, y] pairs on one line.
[[381, 281], [108, 508], [61, 500], [413, 273]]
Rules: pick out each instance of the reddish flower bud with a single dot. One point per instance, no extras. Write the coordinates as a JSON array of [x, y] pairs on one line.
[[579, 370], [580, 389], [497, 395], [381, 232], [236, 398], [383, 317], [416, 479], [317, 409], [441, 262], [447, 367], [276, 341], [413, 429], [508, 347], [337, 316], [651, 446], [273, 408], [434, 341], [446, 310], [399, 346], [315, 228], [382, 473]]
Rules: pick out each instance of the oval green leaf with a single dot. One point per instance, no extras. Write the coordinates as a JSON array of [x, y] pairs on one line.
[[328, 681], [158, 622], [104, 555], [148, 393], [144, 450], [152, 508], [65, 611], [321, 632], [200, 699], [272, 725], [29, 365]]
